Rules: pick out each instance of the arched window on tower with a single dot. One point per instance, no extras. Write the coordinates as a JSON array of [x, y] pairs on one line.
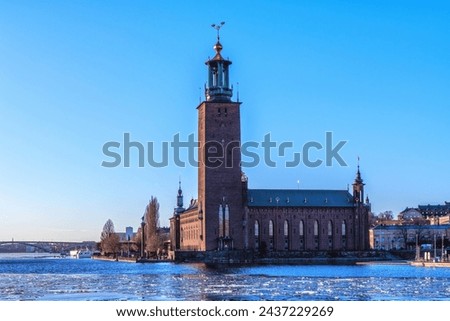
[[286, 235], [271, 236]]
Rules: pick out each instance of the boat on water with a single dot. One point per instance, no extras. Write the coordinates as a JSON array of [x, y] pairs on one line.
[[81, 254]]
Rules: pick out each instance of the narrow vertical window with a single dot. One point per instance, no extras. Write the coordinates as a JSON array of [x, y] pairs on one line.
[[316, 228], [221, 223], [286, 235], [227, 221], [271, 236], [256, 234]]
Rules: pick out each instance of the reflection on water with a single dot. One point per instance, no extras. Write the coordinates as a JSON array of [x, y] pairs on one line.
[[47, 278]]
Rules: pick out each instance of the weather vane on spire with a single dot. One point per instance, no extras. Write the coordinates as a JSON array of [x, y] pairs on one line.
[[217, 27]]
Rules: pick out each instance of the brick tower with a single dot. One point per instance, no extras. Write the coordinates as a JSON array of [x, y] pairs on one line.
[[220, 199]]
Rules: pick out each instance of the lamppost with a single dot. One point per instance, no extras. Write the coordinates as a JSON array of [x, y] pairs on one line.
[[417, 247], [142, 237], [128, 239], [434, 259]]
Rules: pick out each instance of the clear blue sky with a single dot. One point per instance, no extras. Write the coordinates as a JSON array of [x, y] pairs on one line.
[[77, 74]]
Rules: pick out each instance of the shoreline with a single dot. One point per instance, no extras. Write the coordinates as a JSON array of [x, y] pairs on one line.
[[266, 261], [430, 264]]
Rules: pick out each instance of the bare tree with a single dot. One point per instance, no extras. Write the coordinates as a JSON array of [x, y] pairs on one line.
[[109, 240], [386, 216], [151, 217], [405, 234], [137, 239]]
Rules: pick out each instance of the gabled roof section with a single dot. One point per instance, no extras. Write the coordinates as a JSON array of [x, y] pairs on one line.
[[193, 205], [299, 198]]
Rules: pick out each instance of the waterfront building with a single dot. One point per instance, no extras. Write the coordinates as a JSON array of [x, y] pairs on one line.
[[434, 211], [228, 215], [400, 237], [410, 214], [426, 214]]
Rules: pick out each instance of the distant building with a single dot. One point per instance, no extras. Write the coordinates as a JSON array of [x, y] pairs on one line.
[[433, 211], [398, 237], [409, 214], [444, 220], [128, 235]]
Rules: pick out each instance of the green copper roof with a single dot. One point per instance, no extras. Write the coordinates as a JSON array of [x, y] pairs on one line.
[[299, 198]]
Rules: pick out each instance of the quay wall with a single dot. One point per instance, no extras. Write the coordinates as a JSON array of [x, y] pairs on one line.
[[243, 257]]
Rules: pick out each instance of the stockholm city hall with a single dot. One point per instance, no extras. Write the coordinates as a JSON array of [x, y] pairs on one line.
[[227, 215]]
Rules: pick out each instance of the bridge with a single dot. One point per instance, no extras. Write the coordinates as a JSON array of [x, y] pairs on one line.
[[44, 246]]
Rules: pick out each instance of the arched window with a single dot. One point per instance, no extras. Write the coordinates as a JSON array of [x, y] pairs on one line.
[[330, 235], [286, 228], [257, 234], [301, 229], [316, 228], [343, 228], [271, 236], [286, 235]]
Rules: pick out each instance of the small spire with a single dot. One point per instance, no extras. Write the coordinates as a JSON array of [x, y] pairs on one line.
[[358, 178], [180, 191], [218, 46], [179, 195]]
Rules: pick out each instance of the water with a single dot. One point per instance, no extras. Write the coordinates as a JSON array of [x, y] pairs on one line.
[[46, 278]]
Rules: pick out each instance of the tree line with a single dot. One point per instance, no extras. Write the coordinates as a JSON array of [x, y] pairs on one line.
[[111, 245]]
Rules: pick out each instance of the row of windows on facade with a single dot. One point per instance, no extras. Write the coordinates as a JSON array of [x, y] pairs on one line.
[[190, 234], [301, 228], [271, 245], [194, 233]]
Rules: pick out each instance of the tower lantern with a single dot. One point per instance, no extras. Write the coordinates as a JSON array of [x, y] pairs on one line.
[[218, 86]]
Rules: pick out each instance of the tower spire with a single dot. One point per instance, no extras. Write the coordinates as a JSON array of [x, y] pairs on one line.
[[179, 195], [358, 187], [218, 87], [358, 178]]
